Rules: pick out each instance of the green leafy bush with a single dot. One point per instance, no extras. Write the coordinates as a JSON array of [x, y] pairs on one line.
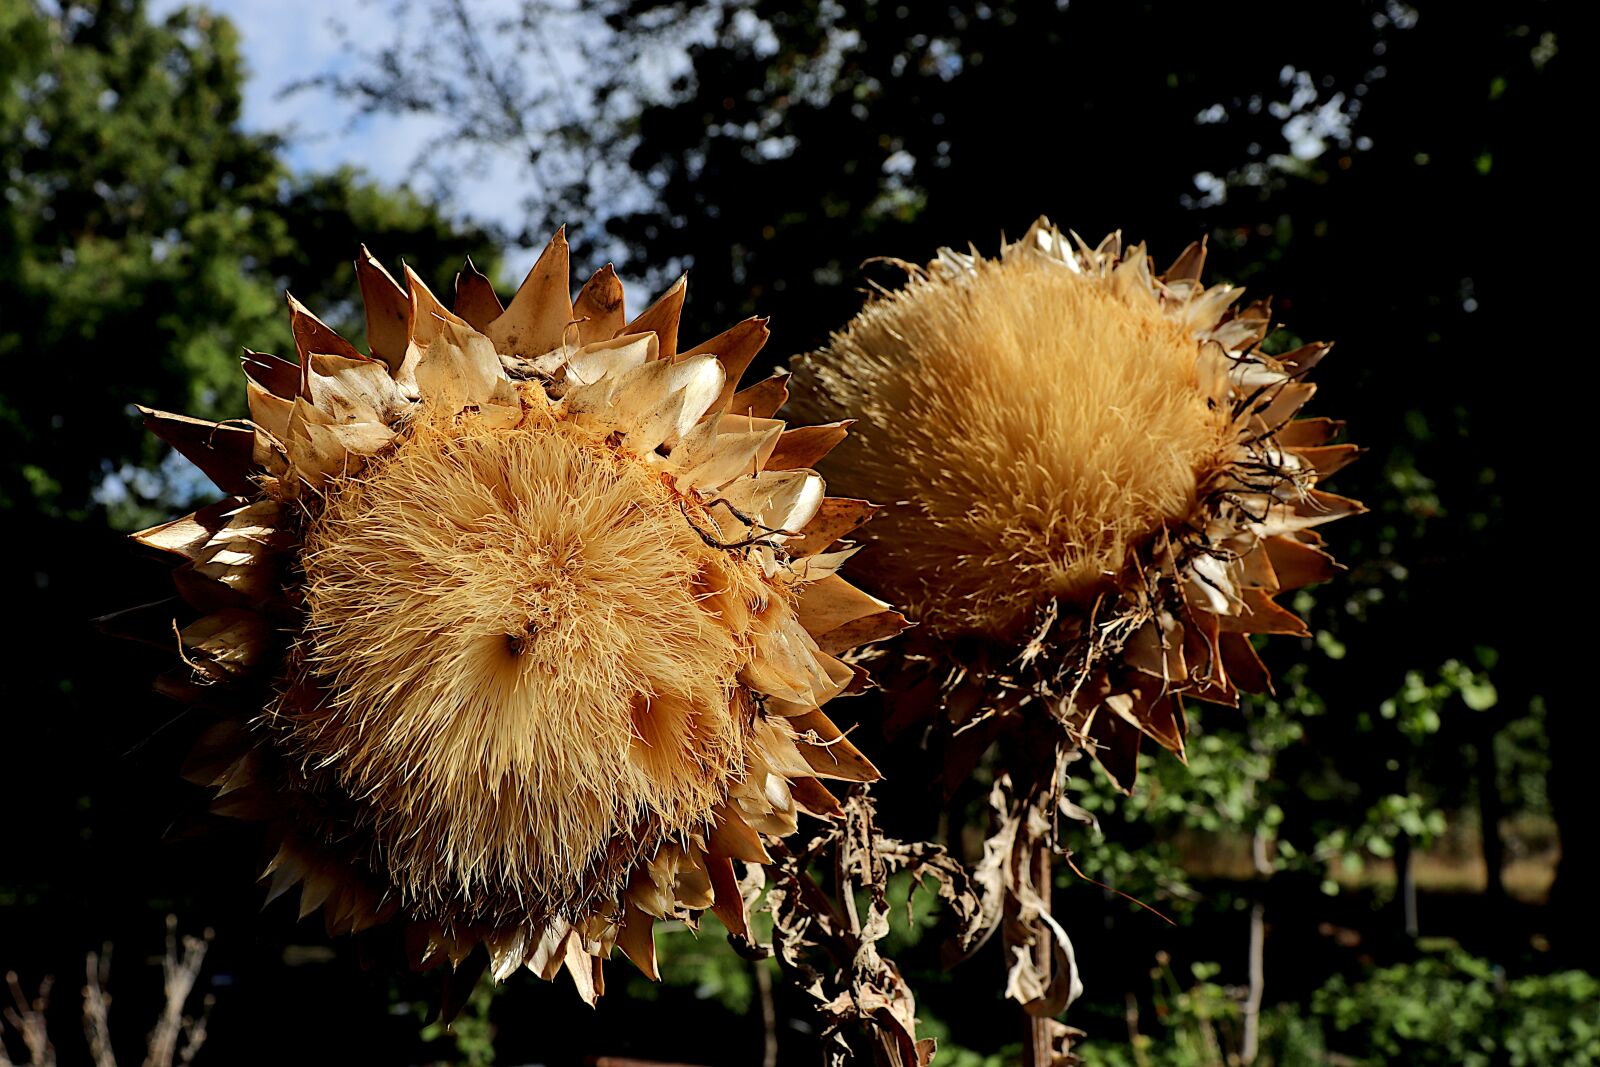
[[1453, 1008]]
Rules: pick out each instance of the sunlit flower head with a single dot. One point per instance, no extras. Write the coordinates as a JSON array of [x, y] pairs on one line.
[[1095, 484], [517, 628]]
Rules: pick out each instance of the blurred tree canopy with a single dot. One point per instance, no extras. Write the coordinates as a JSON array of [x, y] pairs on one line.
[[146, 239]]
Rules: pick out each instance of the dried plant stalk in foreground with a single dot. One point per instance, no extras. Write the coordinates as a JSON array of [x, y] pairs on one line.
[[828, 943], [517, 630], [1100, 489]]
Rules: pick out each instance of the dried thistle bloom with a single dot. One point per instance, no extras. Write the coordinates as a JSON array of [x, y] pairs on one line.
[[1098, 487], [518, 630]]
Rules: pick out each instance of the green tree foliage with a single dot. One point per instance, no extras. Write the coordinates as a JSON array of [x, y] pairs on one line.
[[1446, 1008], [147, 237], [1453, 1008]]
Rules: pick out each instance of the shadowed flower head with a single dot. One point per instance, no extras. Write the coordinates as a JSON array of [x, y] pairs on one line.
[[516, 630], [1095, 485]]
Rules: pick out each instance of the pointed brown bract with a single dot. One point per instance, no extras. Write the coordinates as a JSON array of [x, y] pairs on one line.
[[222, 452], [388, 311], [1105, 487], [519, 545], [599, 308], [311, 334], [661, 318], [761, 400], [476, 300], [536, 320], [734, 349]]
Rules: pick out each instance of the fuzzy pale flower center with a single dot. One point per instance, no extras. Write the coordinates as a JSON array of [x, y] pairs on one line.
[[523, 687], [1032, 425]]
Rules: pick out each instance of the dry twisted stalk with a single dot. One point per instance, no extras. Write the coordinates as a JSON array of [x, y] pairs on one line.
[[828, 947]]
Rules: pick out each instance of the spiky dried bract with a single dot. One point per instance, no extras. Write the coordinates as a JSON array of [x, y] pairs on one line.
[[1098, 485], [1038, 426], [517, 630]]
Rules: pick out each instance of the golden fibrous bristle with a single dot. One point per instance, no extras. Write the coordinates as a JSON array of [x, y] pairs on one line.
[[522, 674], [1035, 425]]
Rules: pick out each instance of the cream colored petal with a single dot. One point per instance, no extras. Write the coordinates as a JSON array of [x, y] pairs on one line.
[[1200, 315], [1236, 334], [227, 644], [584, 970], [508, 948], [732, 836], [318, 450], [775, 740], [784, 664], [835, 518], [832, 602], [1284, 401], [460, 368], [661, 401], [692, 882], [734, 348], [764, 799], [268, 411], [650, 888], [1044, 239], [778, 500], [188, 535], [549, 952], [828, 753], [708, 458], [1132, 279], [1316, 509], [1251, 373], [1210, 583], [612, 358], [353, 390], [815, 568]]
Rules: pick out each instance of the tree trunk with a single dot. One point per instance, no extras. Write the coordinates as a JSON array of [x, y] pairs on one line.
[[769, 1014], [1250, 1044], [1490, 812], [1405, 884], [1572, 923]]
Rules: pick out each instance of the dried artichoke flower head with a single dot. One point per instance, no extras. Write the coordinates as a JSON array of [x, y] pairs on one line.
[[1097, 482], [517, 631]]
